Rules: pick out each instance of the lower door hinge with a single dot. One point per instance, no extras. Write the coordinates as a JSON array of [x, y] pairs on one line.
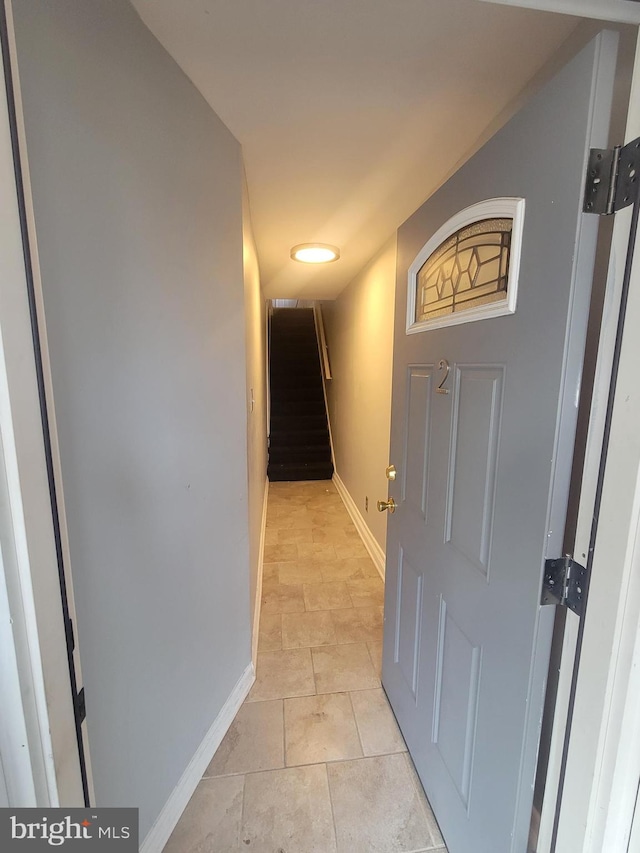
[[612, 178], [81, 707], [564, 584]]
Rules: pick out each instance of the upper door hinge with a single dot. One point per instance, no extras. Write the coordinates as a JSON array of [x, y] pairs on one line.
[[612, 178], [564, 584]]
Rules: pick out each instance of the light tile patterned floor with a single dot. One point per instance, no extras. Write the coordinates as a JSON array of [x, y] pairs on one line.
[[314, 761]]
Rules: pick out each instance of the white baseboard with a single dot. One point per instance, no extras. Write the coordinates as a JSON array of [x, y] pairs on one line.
[[368, 539], [258, 604], [166, 821]]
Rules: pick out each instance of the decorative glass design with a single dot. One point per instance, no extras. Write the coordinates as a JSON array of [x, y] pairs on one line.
[[469, 269]]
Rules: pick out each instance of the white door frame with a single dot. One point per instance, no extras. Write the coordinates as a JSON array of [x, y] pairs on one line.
[[603, 758], [603, 766], [41, 704], [603, 762], [617, 11]]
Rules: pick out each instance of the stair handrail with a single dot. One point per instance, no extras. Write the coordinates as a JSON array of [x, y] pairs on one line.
[[322, 341]]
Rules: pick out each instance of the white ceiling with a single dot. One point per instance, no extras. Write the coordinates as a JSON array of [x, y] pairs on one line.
[[350, 112]]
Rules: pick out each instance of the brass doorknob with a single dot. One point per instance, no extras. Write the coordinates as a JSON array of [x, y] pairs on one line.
[[390, 505], [391, 472]]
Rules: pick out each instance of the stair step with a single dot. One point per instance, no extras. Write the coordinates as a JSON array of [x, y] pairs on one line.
[[295, 367], [292, 315], [294, 377], [297, 407], [301, 454], [283, 353], [300, 330], [295, 423], [299, 446], [297, 438], [295, 357], [297, 394], [291, 472]]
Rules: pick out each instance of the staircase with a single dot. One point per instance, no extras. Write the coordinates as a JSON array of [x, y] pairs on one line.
[[299, 446]]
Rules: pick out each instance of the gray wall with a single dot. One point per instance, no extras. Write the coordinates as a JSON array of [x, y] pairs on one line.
[[359, 330], [137, 189], [256, 323]]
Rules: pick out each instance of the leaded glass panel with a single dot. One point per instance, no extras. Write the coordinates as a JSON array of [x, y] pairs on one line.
[[469, 269]]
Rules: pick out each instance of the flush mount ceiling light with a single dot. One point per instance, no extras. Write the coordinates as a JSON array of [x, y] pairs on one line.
[[315, 253]]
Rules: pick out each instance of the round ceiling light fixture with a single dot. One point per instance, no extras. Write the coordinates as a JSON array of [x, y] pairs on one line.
[[315, 253]]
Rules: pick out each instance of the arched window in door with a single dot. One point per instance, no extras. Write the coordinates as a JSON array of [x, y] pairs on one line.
[[468, 269]]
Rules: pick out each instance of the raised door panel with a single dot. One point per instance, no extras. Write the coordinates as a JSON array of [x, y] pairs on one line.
[[415, 470], [473, 457]]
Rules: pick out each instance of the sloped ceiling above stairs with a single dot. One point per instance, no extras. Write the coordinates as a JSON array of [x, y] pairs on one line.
[[350, 112]]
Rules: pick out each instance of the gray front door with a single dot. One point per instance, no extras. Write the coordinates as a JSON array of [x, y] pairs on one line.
[[483, 471]]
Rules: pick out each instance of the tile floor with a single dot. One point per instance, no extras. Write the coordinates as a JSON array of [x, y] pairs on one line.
[[314, 761]]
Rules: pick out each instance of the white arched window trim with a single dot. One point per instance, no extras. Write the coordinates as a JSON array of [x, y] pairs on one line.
[[494, 208]]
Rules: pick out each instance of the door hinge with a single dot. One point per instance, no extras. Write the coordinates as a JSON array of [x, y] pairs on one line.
[[612, 178], [71, 640], [81, 707], [564, 584]]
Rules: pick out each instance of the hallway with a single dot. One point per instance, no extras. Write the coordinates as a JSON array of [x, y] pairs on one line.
[[314, 761]]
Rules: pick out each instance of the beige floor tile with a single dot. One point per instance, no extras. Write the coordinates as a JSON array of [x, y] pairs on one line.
[[351, 549], [298, 535], [271, 535], [339, 668], [316, 487], [342, 570], [211, 821], [288, 811], [282, 674], [299, 571], [320, 728], [334, 535], [303, 630], [327, 503], [376, 808], [331, 518], [359, 625], [434, 829], [282, 598], [293, 518], [367, 566], [292, 508], [379, 732], [316, 551], [333, 595], [270, 633], [280, 552], [269, 572], [254, 741], [366, 593], [375, 650], [278, 504]]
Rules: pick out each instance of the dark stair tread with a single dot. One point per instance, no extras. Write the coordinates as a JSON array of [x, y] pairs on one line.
[[292, 472], [298, 407], [300, 455], [294, 438], [296, 395], [299, 445], [295, 423]]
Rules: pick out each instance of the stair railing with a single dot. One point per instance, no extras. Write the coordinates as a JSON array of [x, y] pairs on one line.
[[323, 349], [325, 369]]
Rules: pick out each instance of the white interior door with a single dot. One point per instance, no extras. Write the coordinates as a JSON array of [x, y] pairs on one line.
[[484, 468]]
